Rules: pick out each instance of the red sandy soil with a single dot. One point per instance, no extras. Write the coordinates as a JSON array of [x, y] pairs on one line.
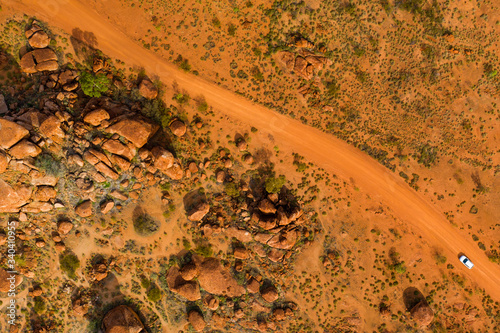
[[326, 151]]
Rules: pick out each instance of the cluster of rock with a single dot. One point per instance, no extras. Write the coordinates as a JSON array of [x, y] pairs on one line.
[[215, 279], [272, 223], [304, 62], [41, 57], [17, 152]]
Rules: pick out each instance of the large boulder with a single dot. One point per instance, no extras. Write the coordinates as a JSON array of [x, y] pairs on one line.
[[270, 294], [50, 65], [13, 198], [28, 64], [137, 130], [163, 158], [147, 89], [175, 172], [422, 313], [8, 280], [3, 106], [4, 162], [11, 133], [96, 117], [51, 128], [217, 280], [122, 319], [84, 209], [25, 149], [196, 320], [284, 240], [178, 127], [187, 289], [42, 55], [118, 148], [39, 40]]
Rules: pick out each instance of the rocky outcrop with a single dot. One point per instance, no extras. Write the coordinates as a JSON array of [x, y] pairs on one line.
[[217, 280], [187, 289], [122, 319]]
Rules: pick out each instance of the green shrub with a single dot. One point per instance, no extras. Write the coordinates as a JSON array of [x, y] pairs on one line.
[[94, 85], [154, 294], [274, 185], [69, 264], [232, 190], [145, 225], [48, 163], [39, 305]]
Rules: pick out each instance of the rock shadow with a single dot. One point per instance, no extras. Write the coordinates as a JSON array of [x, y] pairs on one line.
[[411, 297]]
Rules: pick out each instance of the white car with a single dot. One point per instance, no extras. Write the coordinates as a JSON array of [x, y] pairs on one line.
[[466, 261]]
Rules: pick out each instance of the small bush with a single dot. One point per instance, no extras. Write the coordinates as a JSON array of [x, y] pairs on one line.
[[145, 225], [69, 264]]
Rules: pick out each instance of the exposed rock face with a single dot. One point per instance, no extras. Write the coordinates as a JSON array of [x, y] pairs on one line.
[[175, 172], [189, 271], [24, 149], [117, 148], [122, 319], [11, 133], [287, 58], [4, 162], [198, 211], [267, 207], [211, 302], [270, 294], [147, 89], [137, 131], [196, 320], [5, 284], [3, 106], [422, 313], [163, 158], [178, 128], [45, 193], [284, 240], [39, 60], [13, 198], [217, 280], [96, 117], [187, 289], [84, 209]]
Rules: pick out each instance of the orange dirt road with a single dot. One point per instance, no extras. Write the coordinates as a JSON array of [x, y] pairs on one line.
[[323, 149]]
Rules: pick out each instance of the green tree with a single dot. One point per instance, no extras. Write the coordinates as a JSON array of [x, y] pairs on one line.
[[69, 264], [274, 185], [94, 85]]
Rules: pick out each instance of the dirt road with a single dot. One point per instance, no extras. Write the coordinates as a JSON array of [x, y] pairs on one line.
[[325, 150]]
